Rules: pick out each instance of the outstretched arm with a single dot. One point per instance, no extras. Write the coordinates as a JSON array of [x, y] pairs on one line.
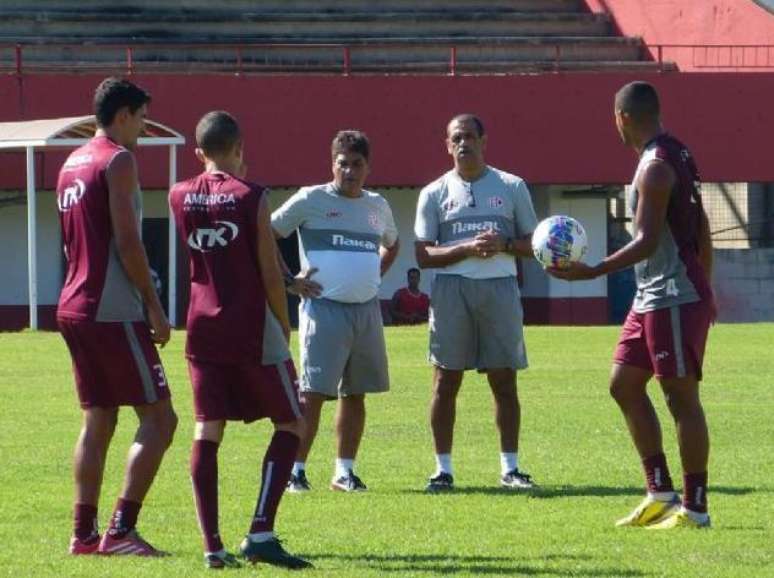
[[654, 187]]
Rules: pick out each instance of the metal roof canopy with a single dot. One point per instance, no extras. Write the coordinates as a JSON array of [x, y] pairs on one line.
[[71, 132]]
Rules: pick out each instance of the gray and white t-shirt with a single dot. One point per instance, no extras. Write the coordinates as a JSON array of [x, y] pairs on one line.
[[451, 210], [341, 237]]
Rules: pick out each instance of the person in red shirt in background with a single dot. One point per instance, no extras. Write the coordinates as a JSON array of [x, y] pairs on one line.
[[409, 305]]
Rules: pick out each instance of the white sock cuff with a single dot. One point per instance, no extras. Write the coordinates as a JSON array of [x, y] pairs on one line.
[[343, 466], [443, 463]]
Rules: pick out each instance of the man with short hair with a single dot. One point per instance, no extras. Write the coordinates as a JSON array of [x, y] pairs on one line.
[[471, 223], [348, 234], [409, 305], [666, 330], [110, 317], [238, 330]]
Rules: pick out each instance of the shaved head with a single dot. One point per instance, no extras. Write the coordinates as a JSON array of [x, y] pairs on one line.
[[638, 100]]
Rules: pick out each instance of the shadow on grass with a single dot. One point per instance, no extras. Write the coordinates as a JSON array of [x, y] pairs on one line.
[[548, 492], [443, 565]]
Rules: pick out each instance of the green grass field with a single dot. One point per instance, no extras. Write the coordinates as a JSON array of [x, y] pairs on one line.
[[573, 442]]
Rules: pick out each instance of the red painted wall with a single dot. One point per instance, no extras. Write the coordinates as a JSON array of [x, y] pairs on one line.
[[713, 22], [547, 128]]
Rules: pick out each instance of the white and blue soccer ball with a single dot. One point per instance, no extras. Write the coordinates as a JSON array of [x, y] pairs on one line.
[[559, 241]]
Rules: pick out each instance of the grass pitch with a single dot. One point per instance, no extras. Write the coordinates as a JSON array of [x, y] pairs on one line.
[[573, 442]]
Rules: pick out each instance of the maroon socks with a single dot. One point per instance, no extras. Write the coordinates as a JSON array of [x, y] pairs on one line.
[[85, 522], [204, 474], [277, 464], [657, 474], [124, 518], [695, 492]]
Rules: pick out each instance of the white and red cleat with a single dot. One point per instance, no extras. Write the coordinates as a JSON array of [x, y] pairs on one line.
[[130, 544], [80, 548]]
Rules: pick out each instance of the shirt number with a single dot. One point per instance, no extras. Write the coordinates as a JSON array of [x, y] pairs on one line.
[[671, 288]]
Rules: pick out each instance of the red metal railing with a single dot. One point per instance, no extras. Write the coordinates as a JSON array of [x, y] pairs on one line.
[[233, 58]]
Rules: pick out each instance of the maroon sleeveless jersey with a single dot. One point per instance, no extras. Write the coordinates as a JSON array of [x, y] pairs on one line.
[[229, 320], [96, 287]]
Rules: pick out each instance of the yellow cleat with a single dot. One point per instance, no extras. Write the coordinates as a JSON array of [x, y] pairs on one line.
[[650, 511], [682, 519]]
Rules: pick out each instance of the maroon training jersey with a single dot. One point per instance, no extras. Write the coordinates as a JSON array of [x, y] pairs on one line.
[[672, 275], [96, 287], [229, 320]]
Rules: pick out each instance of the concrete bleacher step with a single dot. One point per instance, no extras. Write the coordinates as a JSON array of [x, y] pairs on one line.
[[225, 26], [312, 35], [503, 57], [282, 6]]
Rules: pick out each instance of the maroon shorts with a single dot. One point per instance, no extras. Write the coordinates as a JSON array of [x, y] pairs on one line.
[[668, 342], [114, 363], [245, 392]]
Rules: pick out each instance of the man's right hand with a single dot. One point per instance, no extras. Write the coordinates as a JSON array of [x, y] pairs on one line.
[[485, 245], [159, 326]]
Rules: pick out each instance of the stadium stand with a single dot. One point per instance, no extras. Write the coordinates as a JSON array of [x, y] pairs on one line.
[[271, 36]]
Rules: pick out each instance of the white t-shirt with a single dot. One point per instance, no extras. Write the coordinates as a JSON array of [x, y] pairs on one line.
[[341, 237], [451, 210]]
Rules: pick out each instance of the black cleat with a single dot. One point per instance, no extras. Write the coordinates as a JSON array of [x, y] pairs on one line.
[[271, 552], [348, 483], [516, 480], [221, 560], [298, 483], [442, 482]]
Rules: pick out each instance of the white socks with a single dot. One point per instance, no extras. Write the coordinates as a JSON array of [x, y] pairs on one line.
[[342, 467], [443, 463], [298, 467], [261, 536], [509, 461]]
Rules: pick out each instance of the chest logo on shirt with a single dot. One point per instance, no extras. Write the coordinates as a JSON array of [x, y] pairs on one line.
[[460, 228], [71, 195], [450, 205], [374, 221], [496, 202], [208, 239], [332, 214], [341, 241]]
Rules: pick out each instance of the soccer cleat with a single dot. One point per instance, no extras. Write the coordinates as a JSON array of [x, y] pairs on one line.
[[348, 483], [682, 519], [271, 552], [220, 560], [516, 480], [84, 547], [298, 483], [441, 482], [650, 511], [130, 544]]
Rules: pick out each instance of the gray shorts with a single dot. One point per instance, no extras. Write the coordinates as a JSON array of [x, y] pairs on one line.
[[342, 348], [476, 323]]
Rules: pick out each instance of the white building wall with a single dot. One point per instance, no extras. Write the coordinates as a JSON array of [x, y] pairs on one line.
[[592, 214], [547, 200], [13, 247], [13, 252]]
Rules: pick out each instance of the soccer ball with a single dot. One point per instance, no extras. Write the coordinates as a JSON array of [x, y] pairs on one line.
[[559, 241]]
